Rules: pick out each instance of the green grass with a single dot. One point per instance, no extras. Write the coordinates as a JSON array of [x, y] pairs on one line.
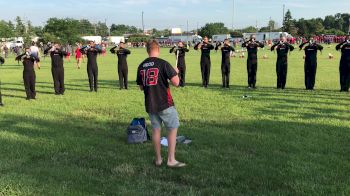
[[291, 142]]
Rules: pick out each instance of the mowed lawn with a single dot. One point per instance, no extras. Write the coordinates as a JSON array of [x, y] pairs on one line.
[[291, 142]]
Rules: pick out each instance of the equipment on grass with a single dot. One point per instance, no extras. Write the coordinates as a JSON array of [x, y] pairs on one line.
[[137, 131]]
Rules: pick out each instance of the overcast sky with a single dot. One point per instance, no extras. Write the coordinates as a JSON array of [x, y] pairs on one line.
[[171, 13]]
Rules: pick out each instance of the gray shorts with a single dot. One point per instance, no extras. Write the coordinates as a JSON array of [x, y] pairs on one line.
[[169, 117]]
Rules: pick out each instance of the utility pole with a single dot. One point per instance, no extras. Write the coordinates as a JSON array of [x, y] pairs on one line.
[[233, 14], [143, 24], [187, 32], [283, 21]]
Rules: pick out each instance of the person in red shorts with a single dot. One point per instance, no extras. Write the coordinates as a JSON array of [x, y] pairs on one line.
[[78, 55]]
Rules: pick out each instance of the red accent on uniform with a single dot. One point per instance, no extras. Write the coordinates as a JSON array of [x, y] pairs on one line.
[[170, 98]]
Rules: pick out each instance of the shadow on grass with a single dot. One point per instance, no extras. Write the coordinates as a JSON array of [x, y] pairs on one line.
[[82, 155]]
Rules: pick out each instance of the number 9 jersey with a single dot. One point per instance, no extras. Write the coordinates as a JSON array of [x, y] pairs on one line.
[[154, 75]]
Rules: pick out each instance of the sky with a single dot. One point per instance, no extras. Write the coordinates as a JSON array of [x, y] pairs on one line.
[[166, 14]]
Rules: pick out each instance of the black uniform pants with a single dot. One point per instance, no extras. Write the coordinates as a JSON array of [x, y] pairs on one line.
[[281, 70], [123, 77], [93, 77], [205, 69], [344, 70], [252, 67], [182, 75], [310, 68], [58, 80], [225, 70], [29, 84]]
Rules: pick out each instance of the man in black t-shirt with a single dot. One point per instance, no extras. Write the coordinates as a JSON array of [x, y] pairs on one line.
[[282, 48], [226, 50], [57, 69], [29, 76], [310, 65], [205, 47], [180, 52], [252, 61], [91, 51], [344, 68], [122, 54], [153, 75]]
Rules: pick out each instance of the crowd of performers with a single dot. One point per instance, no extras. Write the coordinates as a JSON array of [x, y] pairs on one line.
[[57, 53]]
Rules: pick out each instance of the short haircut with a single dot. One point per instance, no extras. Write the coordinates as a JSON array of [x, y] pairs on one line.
[[152, 45], [226, 40]]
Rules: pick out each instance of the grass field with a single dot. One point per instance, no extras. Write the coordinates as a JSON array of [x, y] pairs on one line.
[[291, 142]]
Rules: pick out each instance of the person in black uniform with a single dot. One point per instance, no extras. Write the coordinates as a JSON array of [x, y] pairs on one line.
[[91, 51], [282, 48], [225, 62], [57, 68], [2, 61], [344, 67], [28, 72], [205, 47], [310, 66], [180, 52], [122, 54], [252, 62]]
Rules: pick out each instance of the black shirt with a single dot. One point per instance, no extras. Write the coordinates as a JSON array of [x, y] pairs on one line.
[[252, 48], [206, 47], [282, 49], [28, 62], [226, 53], [153, 74], [345, 51], [56, 57], [91, 55], [122, 56], [311, 51], [182, 53]]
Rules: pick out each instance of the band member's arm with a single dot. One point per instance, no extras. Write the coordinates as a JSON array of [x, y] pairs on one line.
[[291, 47], [172, 49], [261, 45], [83, 50], [47, 50], [126, 51], [273, 47], [19, 57], [2, 60], [113, 49], [196, 47], [245, 44], [302, 45], [217, 46], [63, 53], [339, 46], [319, 47], [185, 49]]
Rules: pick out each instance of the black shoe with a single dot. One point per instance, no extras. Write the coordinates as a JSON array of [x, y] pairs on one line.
[[28, 98], [1, 104]]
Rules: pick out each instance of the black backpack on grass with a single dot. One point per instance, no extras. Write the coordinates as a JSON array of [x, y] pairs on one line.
[[137, 131]]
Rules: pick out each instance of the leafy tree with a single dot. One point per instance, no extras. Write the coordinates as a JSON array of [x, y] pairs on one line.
[[6, 30], [20, 29], [211, 29]]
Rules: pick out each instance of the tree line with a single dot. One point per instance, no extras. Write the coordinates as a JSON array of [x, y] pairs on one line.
[[70, 30]]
